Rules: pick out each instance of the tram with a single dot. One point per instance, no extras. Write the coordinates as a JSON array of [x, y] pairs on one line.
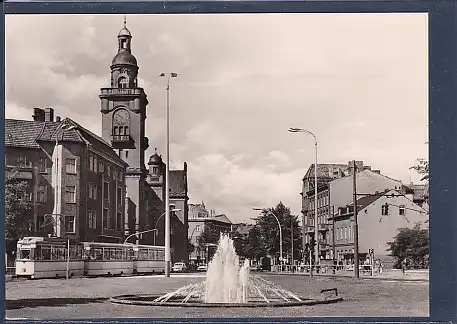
[[122, 259], [41, 257], [148, 259]]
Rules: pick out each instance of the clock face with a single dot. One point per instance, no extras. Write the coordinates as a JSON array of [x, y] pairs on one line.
[[121, 117]]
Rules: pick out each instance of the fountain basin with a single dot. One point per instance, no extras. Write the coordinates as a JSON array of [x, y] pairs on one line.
[[150, 300]]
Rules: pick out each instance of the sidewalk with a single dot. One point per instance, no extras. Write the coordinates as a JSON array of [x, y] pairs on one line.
[[394, 274]]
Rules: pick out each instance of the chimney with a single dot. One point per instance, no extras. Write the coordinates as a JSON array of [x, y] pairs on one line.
[[49, 114], [58, 119], [38, 114]]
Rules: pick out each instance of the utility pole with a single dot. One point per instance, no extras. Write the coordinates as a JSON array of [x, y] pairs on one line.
[[292, 240], [356, 226]]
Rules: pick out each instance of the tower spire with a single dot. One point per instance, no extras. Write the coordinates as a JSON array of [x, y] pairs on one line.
[[125, 21]]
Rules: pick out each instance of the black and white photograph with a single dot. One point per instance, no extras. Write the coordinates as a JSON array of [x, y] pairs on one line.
[[216, 165]]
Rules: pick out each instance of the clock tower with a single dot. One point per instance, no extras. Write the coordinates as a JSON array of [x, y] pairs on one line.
[[123, 108]]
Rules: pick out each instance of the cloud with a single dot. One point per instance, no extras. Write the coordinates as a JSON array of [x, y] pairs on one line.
[[358, 81]]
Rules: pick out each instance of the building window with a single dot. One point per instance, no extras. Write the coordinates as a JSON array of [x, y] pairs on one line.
[[42, 191], [385, 210], [108, 170], [106, 190], [70, 224], [123, 82], [126, 154], [401, 210], [119, 196], [92, 191], [105, 217], [95, 164], [42, 167], [70, 194], [91, 162], [92, 219], [101, 167], [71, 166], [119, 221], [112, 220]]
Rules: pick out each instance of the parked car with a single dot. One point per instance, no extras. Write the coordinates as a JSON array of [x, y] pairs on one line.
[[202, 268], [179, 267], [255, 268]]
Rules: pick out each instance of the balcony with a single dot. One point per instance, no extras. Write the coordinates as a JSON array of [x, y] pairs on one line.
[[323, 227], [120, 138], [121, 92], [323, 246], [320, 227]]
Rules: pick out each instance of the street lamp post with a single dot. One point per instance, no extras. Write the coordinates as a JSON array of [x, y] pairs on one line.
[[280, 231], [316, 231], [167, 183], [151, 230]]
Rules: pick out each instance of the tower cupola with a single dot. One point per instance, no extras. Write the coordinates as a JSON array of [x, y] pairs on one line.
[[124, 66]]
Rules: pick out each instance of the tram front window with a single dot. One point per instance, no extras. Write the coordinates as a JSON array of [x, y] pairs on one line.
[[25, 254]]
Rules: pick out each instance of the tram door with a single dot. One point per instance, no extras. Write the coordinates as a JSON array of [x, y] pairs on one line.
[[136, 254]]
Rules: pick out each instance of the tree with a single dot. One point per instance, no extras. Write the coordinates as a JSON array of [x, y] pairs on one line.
[[249, 246], [412, 244], [190, 247], [210, 235], [17, 209], [269, 231], [421, 167]]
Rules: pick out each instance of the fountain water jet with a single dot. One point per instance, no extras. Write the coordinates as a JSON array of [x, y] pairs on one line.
[[226, 285]]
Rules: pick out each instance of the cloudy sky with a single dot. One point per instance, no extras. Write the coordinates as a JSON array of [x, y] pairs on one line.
[[358, 81]]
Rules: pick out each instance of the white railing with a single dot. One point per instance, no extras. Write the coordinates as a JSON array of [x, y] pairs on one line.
[[324, 269]]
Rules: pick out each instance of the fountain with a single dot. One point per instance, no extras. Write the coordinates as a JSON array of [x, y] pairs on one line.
[[226, 285]]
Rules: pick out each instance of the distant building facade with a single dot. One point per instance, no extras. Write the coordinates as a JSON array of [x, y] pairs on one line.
[[335, 189], [200, 219], [379, 217]]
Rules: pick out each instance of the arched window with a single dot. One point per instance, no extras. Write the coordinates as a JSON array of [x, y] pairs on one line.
[[123, 83], [116, 130], [121, 130]]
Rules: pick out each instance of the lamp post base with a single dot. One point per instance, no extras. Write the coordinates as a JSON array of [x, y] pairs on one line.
[[167, 268]]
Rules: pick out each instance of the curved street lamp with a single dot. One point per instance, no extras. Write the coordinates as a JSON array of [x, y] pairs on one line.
[[316, 231], [151, 230]]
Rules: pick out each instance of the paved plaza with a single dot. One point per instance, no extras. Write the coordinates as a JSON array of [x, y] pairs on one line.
[[83, 298]]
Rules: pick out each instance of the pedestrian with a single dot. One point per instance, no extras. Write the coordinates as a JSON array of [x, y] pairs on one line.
[[403, 266], [381, 266]]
